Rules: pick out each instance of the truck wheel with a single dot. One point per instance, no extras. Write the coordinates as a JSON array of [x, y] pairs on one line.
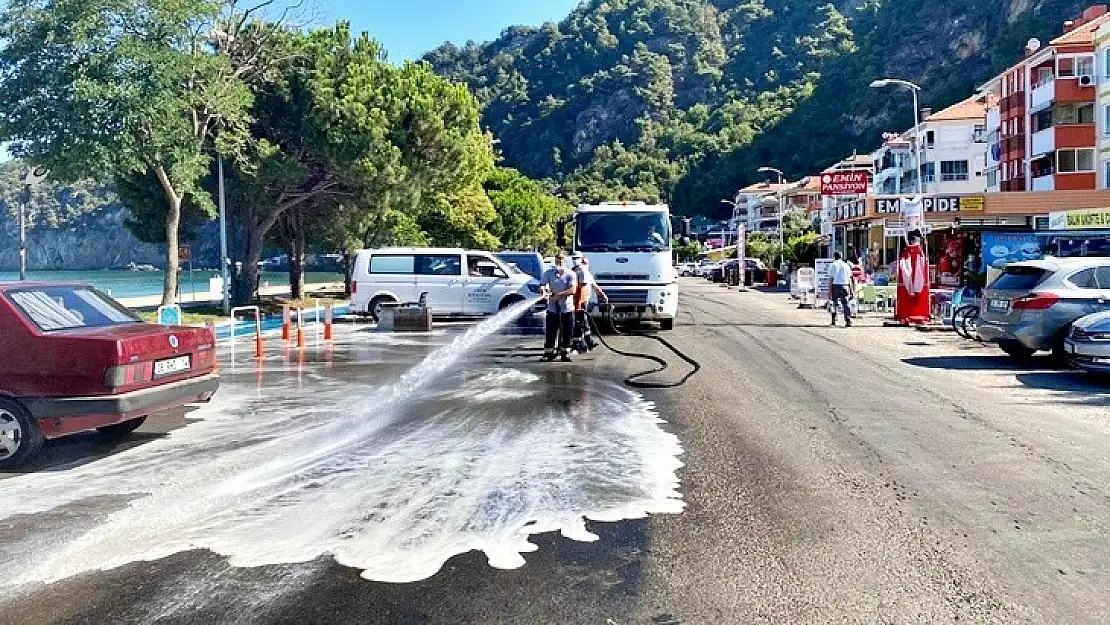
[[122, 429], [376, 304], [667, 325], [1060, 350], [20, 436]]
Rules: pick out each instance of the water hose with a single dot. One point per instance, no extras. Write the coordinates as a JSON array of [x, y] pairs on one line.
[[634, 379]]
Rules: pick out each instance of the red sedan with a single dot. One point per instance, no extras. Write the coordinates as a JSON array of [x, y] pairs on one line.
[[75, 360]]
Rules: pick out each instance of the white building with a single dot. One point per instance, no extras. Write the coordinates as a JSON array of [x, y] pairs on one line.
[[758, 206], [1102, 104], [954, 152]]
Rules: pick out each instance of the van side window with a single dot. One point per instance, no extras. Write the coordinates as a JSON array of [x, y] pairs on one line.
[[392, 264], [439, 265]]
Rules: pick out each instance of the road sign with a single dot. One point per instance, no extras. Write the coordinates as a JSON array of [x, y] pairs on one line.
[[185, 254]]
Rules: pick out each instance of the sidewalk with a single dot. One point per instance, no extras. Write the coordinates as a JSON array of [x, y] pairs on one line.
[[204, 298]]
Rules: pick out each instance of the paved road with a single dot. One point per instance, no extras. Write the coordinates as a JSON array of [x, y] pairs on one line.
[[831, 475]]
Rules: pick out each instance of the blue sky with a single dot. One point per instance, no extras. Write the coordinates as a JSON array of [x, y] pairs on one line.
[[409, 28]]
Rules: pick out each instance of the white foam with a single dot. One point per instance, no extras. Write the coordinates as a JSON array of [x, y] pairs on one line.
[[373, 480]]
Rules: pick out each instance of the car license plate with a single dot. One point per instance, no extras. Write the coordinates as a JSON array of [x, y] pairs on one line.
[[171, 366], [1000, 304], [624, 316]]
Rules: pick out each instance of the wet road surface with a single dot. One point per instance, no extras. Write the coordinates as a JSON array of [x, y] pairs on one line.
[[829, 475]]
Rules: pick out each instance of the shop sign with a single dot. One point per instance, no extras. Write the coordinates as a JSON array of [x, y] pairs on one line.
[[898, 232], [1080, 220], [821, 266], [1000, 248], [943, 204], [742, 241], [851, 210], [844, 183]]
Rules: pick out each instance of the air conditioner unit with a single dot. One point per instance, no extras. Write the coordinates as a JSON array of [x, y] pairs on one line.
[[1086, 80]]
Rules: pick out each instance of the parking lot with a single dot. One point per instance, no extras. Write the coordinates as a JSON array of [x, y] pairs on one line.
[[808, 474]]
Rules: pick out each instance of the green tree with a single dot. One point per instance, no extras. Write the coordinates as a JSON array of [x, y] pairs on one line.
[[123, 88], [526, 213]]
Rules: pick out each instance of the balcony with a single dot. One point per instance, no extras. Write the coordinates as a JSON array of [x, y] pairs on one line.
[[1044, 142], [1043, 95], [1045, 183], [994, 119]]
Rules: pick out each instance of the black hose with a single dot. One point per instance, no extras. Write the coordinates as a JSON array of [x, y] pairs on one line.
[[634, 380]]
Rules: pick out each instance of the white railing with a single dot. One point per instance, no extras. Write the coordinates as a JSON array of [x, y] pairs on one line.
[[1043, 95], [1044, 141], [1045, 183]]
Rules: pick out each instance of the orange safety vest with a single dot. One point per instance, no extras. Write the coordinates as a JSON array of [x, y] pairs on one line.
[[581, 294]]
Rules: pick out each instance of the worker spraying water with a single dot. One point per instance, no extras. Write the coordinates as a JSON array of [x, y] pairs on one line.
[[587, 287], [559, 284]]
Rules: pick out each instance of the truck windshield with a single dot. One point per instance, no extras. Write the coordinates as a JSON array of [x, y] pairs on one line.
[[54, 308], [624, 232]]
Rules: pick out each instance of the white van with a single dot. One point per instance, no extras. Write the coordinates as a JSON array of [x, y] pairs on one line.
[[458, 282]]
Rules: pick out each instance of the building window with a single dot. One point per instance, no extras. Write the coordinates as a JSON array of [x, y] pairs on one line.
[[1085, 114], [1085, 66], [1043, 119], [953, 171], [1106, 63], [930, 139], [929, 172], [1075, 161], [1106, 174], [1106, 120], [992, 178]]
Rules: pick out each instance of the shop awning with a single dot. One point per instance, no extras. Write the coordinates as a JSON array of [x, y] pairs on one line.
[[1073, 234]]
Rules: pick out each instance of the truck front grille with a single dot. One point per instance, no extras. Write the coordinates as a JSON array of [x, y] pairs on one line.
[[621, 277], [629, 296]]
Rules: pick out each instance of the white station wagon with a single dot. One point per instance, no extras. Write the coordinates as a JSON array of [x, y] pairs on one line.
[[458, 282]]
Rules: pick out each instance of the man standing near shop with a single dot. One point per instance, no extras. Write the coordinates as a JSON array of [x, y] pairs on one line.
[[841, 285], [560, 285]]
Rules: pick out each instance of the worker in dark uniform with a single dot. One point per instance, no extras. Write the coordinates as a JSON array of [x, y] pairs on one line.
[[559, 284], [587, 286]]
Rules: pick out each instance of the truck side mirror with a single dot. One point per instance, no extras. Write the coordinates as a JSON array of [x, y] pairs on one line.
[[561, 234]]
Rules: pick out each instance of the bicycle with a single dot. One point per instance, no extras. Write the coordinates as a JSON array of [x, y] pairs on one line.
[[965, 321]]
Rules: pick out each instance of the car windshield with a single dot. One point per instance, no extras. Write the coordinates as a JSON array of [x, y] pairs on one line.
[[624, 232], [53, 308]]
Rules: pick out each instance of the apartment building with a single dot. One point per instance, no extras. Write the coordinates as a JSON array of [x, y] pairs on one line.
[[1041, 136], [757, 205], [953, 152], [1102, 107]]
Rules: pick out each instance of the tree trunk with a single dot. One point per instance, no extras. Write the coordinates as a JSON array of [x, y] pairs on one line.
[[348, 273], [248, 273], [296, 264], [173, 223]]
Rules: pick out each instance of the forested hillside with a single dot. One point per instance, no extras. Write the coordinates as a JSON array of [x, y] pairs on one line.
[[683, 99]]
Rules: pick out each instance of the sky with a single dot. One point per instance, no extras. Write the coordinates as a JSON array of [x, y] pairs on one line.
[[409, 28]]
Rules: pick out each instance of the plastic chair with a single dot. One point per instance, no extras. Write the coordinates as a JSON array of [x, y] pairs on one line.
[[869, 297]]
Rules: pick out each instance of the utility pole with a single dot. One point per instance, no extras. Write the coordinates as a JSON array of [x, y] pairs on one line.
[[225, 274]]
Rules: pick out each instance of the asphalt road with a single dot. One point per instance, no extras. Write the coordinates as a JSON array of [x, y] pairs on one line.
[[830, 475]]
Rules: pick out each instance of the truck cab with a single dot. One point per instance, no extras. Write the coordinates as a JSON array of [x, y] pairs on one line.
[[628, 245]]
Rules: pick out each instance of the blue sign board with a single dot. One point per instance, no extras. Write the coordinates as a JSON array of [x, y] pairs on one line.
[[1000, 248]]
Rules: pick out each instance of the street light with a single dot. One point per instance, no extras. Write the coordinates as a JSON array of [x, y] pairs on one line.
[[782, 237], [33, 177], [772, 170], [886, 82]]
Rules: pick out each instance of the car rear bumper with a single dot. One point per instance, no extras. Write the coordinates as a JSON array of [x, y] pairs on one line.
[[59, 416], [1029, 335]]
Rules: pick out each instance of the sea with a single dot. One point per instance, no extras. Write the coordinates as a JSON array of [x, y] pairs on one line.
[[124, 284]]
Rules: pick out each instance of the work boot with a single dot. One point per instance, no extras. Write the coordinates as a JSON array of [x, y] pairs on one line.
[[564, 356], [833, 321], [591, 344], [548, 355]]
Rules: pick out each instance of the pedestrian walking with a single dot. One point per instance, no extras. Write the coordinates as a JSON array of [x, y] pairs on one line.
[[559, 284], [842, 283], [586, 287]]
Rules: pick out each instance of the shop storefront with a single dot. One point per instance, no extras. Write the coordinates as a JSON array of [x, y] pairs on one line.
[[851, 225], [953, 250], [1076, 233]]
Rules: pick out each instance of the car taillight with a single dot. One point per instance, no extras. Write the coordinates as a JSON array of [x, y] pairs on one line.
[[126, 375], [1036, 301]]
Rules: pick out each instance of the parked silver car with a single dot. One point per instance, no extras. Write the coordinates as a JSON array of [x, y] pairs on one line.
[[1031, 307], [1088, 345]]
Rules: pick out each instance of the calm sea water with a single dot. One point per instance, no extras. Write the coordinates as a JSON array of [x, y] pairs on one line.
[[142, 284]]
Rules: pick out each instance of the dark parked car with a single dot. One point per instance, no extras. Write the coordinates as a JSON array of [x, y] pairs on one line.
[[530, 263], [1088, 346], [77, 360]]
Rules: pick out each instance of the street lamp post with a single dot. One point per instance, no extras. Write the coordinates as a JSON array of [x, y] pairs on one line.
[[782, 238], [914, 89], [33, 177], [225, 269]]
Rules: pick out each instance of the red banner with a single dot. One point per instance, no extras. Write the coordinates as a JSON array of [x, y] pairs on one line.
[[844, 183]]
